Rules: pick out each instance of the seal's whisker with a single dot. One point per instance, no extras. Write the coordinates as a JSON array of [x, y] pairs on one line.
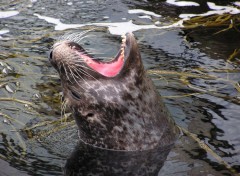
[[85, 32], [88, 68], [63, 37], [87, 74], [76, 58], [72, 71], [79, 39], [79, 76], [63, 108], [60, 67], [68, 36], [66, 72], [81, 33], [81, 71], [78, 36], [73, 75], [72, 36]]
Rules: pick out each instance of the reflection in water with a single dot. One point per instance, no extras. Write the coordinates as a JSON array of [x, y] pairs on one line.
[[89, 160]]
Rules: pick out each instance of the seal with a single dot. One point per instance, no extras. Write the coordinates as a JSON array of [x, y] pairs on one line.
[[115, 104]]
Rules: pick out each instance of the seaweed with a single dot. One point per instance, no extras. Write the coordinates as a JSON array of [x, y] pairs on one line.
[[226, 21]]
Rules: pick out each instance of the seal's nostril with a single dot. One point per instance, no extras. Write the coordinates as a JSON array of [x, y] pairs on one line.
[[50, 55]]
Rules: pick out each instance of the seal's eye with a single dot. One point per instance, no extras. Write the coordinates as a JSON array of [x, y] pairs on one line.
[[75, 95]]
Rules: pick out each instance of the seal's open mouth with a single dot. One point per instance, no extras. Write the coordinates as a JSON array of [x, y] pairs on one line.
[[108, 69]]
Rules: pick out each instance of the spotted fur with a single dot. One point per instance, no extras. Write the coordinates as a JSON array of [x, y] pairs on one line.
[[124, 112]]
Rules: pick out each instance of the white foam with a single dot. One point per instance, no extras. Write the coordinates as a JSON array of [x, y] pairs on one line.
[[182, 3], [224, 9], [3, 31], [118, 28], [7, 14], [237, 3], [58, 23], [48, 19], [145, 16], [124, 27], [134, 11], [215, 9]]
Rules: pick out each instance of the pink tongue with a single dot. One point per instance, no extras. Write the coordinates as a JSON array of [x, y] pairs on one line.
[[106, 69]]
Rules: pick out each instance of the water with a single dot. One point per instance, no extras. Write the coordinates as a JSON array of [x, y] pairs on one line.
[[206, 105]]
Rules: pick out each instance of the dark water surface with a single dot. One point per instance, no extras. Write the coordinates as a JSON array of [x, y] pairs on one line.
[[207, 103]]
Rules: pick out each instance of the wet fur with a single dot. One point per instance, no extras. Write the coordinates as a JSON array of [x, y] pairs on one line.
[[124, 112]]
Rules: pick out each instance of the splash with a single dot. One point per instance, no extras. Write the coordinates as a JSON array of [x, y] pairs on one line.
[[120, 28], [182, 3], [135, 11], [117, 28], [3, 31], [215, 9]]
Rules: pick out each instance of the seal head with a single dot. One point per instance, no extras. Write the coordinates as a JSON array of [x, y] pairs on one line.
[[115, 105]]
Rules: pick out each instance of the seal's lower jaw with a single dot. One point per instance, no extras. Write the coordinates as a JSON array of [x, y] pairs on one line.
[[108, 69]]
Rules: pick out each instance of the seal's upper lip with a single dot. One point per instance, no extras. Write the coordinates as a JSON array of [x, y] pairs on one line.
[[110, 68]]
